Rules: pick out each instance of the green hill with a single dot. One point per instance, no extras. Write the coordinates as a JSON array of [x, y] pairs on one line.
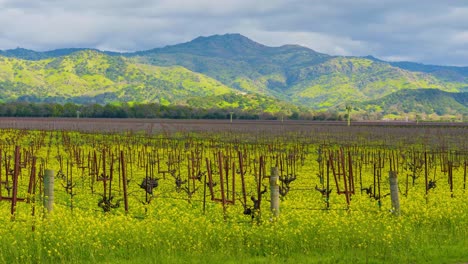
[[93, 77], [294, 73], [418, 102], [424, 101], [227, 71], [91, 73], [27, 54]]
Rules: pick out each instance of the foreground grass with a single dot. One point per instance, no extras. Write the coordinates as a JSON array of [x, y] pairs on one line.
[[428, 231]]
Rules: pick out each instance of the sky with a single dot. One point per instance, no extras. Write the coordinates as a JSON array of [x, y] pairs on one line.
[[425, 31]]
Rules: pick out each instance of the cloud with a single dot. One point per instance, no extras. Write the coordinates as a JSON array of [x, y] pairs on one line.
[[325, 43], [432, 31]]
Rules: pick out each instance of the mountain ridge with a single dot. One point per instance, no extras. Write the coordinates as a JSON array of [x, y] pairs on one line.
[[232, 63], [418, 103], [19, 51]]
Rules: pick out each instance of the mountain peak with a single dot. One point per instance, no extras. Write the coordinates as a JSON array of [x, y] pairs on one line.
[[372, 58], [18, 49], [27, 54], [21, 53], [86, 52], [229, 37], [221, 46]]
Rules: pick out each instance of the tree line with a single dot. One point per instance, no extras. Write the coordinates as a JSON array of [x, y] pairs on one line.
[[152, 110]]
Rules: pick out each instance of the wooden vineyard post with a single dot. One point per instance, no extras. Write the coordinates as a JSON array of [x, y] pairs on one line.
[[450, 176], [124, 180], [221, 180], [464, 176], [274, 191], [394, 192], [49, 190], [14, 197], [4, 182], [425, 172], [328, 184], [204, 193]]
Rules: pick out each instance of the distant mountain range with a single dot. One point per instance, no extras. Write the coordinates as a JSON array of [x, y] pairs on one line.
[[232, 71]]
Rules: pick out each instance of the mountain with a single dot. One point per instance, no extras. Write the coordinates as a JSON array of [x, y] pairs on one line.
[[27, 54], [89, 76], [419, 102], [237, 61], [228, 70], [448, 73], [294, 73]]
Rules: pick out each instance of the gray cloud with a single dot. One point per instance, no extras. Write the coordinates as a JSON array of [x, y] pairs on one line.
[[430, 31]]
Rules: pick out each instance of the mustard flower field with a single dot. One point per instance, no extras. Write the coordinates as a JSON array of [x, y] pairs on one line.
[[205, 197]]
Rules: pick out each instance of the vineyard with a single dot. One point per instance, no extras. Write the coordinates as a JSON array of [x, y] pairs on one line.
[[265, 192]]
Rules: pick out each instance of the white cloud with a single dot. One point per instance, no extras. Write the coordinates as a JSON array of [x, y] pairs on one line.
[[397, 58], [333, 45], [432, 31], [460, 38]]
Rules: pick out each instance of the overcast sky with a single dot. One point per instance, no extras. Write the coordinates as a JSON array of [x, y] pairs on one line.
[[427, 31]]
